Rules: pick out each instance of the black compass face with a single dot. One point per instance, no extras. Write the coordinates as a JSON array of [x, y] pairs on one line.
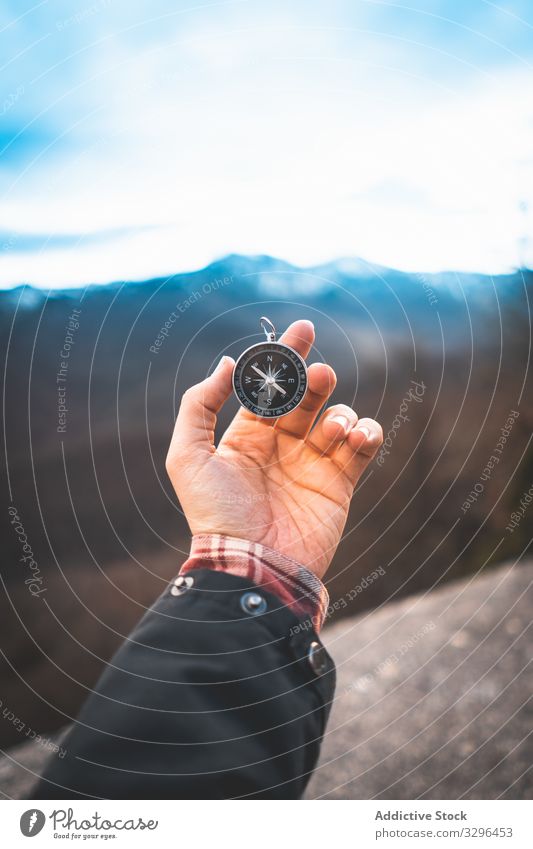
[[270, 379]]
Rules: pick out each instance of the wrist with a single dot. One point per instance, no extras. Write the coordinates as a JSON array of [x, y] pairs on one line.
[[296, 586]]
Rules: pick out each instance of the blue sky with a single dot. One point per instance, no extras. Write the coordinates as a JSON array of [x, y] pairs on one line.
[[147, 138]]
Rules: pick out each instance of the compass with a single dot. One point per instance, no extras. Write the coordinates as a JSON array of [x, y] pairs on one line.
[[270, 378]]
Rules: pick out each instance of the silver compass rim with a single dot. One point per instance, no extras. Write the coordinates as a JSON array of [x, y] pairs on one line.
[[262, 345]]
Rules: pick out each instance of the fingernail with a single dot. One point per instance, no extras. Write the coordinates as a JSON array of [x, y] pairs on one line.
[[365, 431], [342, 421]]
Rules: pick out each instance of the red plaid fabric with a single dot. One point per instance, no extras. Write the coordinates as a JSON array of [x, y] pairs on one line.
[[293, 584]]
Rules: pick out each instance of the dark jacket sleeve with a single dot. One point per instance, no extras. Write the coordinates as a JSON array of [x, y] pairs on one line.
[[209, 697]]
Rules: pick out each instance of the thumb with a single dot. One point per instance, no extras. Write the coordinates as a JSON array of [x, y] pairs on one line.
[[195, 425]]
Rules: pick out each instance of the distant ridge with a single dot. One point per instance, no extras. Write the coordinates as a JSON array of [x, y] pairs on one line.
[[277, 276]]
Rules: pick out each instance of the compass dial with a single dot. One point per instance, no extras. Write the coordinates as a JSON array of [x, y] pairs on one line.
[[270, 379]]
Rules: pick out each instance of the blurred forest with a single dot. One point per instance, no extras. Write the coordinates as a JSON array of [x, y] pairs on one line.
[[100, 515]]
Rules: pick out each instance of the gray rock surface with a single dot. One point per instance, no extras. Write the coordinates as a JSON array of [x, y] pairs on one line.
[[433, 696], [21, 766], [433, 699]]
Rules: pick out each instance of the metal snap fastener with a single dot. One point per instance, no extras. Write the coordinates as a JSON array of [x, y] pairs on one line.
[[181, 584], [317, 657], [253, 604]]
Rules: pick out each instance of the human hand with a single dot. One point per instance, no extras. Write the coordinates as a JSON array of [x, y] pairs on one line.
[[276, 483]]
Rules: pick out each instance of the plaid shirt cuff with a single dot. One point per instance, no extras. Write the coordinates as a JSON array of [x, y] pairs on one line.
[[294, 585]]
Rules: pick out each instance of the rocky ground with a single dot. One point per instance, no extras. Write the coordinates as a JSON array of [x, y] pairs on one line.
[[434, 696], [433, 699]]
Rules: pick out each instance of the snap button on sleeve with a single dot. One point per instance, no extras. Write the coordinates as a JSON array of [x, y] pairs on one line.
[[181, 584], [253, 604], [318, 658]]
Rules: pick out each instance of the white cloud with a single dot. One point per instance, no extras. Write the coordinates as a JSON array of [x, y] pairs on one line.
[[272, 142]]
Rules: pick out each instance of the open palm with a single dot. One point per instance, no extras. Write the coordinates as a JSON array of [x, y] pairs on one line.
[[284, 484]]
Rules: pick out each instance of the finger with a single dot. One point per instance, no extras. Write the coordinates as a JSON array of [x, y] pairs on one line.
[[360, 446], [300, 336], [332, 428], [321, 383], [194, 430]]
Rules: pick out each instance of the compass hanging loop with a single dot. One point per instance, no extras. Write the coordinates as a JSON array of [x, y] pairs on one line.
[[268, 327]]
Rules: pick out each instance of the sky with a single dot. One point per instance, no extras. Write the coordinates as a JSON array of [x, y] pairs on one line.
[[143, 139]]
